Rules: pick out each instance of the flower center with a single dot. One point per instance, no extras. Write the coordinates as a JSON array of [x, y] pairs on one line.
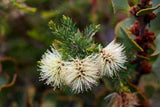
[[79, 66], [108, 58]]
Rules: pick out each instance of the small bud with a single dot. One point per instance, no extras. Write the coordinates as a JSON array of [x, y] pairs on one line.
[[98, 26], [51, 22], [64, 17], [138, 39], [52, 26], [145, 67], [151, 16]]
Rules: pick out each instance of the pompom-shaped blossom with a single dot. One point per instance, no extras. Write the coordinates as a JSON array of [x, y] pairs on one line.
[[51, 67], [82, 74], [111, 59]]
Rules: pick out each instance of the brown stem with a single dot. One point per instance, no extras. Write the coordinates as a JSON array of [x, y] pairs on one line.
[[141, 33], [137, 79], [143, 42], [142, 25]]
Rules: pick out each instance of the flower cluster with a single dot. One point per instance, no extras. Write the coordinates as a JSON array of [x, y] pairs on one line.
[[146, 41], [52, 67], [81, 74], [111, 59]]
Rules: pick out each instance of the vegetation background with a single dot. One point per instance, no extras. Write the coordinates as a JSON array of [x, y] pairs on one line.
[[25, 36]]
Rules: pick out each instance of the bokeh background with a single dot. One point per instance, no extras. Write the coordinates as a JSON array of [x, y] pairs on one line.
[[25, 36]]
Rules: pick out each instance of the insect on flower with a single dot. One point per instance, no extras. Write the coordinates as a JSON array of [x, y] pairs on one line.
[[51, 67], [111, 59], [82, 74]]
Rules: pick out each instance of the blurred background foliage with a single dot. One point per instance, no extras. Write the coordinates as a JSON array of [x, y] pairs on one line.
[[25, 36]]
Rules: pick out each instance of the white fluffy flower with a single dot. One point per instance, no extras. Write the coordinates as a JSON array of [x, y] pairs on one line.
[[51, 67], [82, 74], [112, 59]]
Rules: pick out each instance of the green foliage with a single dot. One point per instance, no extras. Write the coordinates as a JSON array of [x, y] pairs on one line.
[[134, 2], [123, 35], [3, 26], [124, 88], [71, 41], [3, 80], [155, 3], [147, 10], [157, 43], [156, 67], [65, 8], [149, 90], [23, 7], [120, 5], [154, 23]]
